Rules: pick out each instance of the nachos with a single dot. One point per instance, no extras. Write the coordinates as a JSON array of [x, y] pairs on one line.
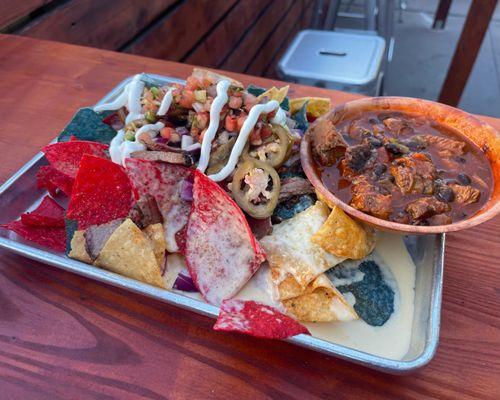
[[193, 187]]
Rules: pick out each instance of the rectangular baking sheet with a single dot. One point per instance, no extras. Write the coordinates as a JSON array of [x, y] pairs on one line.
[[19, 194]]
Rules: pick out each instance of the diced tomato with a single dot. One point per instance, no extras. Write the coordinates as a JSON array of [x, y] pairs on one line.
[[202, 120], [265, 132], [270, 115], [310, 118], [167, 132], [192, 83], [230, 124], [187, 99], [235, 102], [250, 100], [255, 138], [241, 119]]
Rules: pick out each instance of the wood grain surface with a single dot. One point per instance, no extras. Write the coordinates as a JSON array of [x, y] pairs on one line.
[[67, 337]]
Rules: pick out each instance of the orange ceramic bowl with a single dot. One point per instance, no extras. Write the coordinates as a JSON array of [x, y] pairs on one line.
[[483, 135]]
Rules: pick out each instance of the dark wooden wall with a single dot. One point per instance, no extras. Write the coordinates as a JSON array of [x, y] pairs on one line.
[[237, 35]]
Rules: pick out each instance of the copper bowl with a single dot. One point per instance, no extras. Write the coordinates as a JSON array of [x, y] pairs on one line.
[[483, 135]]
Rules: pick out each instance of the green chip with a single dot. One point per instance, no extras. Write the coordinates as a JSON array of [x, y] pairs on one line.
[[300, 117], [71, 227], [88, 125], [255, 90]]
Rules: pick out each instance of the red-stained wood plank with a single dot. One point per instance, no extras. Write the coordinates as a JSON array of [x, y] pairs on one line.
[[107, 24], [177, 33], [221, 41], [13, 11], [254, 38], [63, 336]]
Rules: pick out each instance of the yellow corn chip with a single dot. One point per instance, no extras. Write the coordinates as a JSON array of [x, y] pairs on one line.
[[320, 302], [78, 250], [294, 259], [156, 235], [128, 252], [316, 107], [323, 199], [342, 236], [275, 94]]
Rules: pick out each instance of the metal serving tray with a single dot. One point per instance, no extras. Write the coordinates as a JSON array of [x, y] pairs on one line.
[[19, 193]]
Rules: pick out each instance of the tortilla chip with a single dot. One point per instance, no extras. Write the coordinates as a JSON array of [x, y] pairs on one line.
[[201, 73], [78, 250], [157, 240], [288, 287], [275, 94], [321, 302], [316, 106], [323, 199], [128, 252], [342, 236], [294, 259]]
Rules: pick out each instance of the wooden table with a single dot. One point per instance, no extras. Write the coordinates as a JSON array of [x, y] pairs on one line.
[[62, 336]]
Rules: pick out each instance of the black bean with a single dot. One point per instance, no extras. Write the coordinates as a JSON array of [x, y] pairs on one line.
[[397, 148], [379, 169], [375, 142], [445, 193], [463, 179], [373, 121]]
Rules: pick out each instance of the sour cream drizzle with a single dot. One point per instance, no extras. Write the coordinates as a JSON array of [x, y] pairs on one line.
[[120, 149], [245, 131], [165, 103], [280, 117], [215, 109], [134, 99]]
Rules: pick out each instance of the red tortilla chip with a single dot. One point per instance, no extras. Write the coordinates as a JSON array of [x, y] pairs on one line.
[[50, 178], [48, 214], [221, 252], [53, 238], [65, 156], [102, 192], [256, 319], [164, 182]]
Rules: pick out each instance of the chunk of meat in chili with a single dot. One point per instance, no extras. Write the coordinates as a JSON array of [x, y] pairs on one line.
[[358, 157], [395, 125], [367, 198], [426, 207], [465, 194], [327, 144], [446, 147], [414, 173]]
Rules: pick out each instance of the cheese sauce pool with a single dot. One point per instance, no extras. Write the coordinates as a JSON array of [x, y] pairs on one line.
[[391, 340]]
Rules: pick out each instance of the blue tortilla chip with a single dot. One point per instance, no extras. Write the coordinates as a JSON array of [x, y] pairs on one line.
[[86, 124], [255, 90], [300, 117], [374, 297]]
